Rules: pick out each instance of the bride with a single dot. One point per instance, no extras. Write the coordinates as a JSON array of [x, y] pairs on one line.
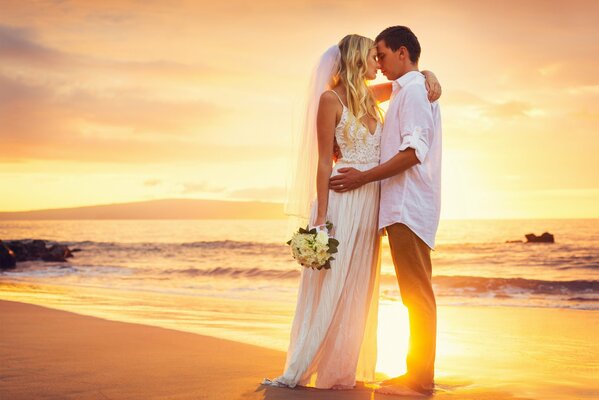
[[333, 336]]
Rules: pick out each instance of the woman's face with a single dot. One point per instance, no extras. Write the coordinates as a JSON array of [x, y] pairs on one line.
[[371, 64]]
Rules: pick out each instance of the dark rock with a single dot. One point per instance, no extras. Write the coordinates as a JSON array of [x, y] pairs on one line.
[[37, 248], [7, 257], [19, 249], [26, 250], [546, 237], [29, 250], [57, 252]]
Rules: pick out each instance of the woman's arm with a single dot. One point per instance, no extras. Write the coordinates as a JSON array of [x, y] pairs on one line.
[[433, 87], [382, 92], [325, 126]]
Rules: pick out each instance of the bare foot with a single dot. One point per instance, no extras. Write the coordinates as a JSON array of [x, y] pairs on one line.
[[407, 382], [398, 390], [398, 380]]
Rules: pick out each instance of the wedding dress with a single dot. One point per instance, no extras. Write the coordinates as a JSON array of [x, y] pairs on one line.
[[333, 336]]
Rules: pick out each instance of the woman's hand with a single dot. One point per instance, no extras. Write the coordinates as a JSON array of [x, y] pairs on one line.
[[319, 223], [433, 87]]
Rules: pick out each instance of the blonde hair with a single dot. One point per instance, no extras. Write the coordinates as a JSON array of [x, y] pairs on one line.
[[353, 67]]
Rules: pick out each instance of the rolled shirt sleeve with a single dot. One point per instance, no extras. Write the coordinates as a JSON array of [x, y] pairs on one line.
[[416, 122]]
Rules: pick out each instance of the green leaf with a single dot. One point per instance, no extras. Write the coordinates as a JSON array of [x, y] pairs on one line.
[[333, 241], [312, 231], [289, 242]]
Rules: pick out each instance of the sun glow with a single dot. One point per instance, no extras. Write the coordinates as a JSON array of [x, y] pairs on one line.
[[148, 113], [394, 334]]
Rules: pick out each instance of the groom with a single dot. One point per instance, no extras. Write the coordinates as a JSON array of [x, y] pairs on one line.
[[410, 175]]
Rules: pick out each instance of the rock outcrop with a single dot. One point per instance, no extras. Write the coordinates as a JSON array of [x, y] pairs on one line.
[[13, 251], [7, 257], [546, 237]]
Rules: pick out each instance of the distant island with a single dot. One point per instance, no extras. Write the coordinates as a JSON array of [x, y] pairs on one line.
[[158, 209]]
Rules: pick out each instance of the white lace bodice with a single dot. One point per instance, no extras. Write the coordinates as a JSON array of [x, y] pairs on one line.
[[357, 145]]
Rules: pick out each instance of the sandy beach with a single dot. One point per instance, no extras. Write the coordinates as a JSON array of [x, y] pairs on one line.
[[53, 354]]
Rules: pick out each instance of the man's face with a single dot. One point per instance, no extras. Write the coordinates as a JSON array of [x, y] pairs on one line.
[[389, 62]]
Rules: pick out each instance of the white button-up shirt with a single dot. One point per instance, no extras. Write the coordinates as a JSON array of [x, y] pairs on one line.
[[412, 197]]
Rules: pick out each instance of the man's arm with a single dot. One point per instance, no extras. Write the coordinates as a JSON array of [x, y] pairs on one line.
[[416, 130], [351, 178]]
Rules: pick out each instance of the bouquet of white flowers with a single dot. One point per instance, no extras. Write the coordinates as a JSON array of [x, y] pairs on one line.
[[313, 248]]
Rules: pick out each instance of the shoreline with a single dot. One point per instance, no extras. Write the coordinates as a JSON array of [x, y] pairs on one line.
[[71, 355], [266, 323], [99, 358]]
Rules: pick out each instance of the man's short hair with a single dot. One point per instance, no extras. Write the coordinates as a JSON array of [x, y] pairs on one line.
[[397, 36]]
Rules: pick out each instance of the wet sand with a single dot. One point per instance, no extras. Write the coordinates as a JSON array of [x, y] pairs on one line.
[[53, 354]]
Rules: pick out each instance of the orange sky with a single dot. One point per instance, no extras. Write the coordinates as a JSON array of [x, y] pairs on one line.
[[113, 101]]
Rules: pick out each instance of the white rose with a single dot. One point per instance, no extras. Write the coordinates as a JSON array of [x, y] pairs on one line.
[[322, 238]]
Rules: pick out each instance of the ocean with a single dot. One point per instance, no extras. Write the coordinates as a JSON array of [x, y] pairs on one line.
[[237, 279]]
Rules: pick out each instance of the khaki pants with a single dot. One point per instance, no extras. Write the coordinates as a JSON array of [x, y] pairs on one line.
[[412, 260]]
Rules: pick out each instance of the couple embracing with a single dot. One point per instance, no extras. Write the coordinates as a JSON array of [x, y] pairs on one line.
[[367, 177]]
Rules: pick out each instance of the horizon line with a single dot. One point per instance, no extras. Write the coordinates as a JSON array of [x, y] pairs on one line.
[[141, 201]]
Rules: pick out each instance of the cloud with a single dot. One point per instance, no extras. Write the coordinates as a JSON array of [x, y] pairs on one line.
[[168, 83], [507, 110], [152, 182], [17, 43], [490, 109], [458, 97], [200, 187], [57, 105], [47, 122], [127, 151], [21, 49], [573, 193]]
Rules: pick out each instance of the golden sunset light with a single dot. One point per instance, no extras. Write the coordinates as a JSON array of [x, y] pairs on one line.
[[108, 102], [297, 200]]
